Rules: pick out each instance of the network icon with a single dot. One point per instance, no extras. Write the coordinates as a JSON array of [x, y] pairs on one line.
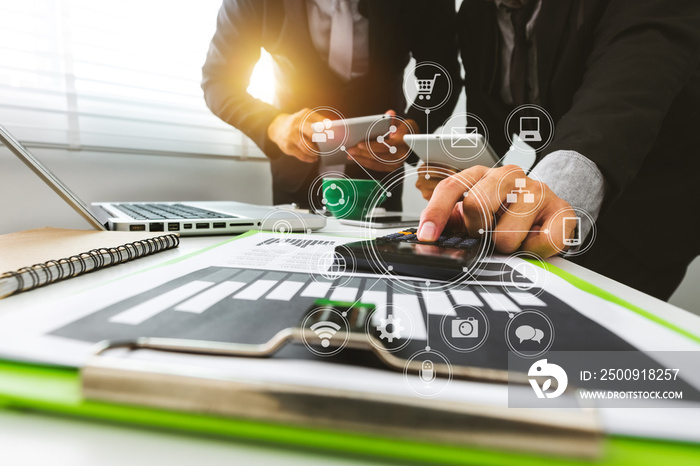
[[528, 197], [382, 139]]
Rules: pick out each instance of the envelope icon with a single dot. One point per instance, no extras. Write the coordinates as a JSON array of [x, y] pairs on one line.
[[463, 139]]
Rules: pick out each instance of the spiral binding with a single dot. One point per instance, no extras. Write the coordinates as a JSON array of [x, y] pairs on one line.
[[39, 275]]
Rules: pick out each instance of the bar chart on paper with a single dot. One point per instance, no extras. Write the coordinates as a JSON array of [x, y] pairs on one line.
[[470, 323]]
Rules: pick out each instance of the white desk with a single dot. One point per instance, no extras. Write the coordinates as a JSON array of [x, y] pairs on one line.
[[40, 439]]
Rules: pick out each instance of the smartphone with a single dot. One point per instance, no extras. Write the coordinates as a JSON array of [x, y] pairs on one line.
[[353, 131], [384, 221], [458, 150], [575, 222]]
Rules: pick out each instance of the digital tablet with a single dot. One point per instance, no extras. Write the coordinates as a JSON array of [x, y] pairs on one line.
[[458, 149], [348, 133]]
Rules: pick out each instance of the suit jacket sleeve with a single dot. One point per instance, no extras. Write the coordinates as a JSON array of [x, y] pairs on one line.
[[644, 54], [232, 55]]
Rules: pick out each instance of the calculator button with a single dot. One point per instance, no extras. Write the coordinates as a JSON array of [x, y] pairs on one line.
[[468, 243]]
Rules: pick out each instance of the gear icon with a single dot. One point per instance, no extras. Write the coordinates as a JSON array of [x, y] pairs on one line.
[[396, 326]]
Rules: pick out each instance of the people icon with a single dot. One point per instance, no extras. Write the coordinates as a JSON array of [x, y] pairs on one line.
[[322, 131]]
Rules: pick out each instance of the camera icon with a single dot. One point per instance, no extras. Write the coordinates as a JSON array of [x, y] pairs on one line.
[[465, 328]]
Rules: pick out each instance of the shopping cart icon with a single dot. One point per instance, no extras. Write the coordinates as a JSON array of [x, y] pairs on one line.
[[425, 87]]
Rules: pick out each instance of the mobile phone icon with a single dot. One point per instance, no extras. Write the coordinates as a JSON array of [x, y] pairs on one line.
[[568, 223]]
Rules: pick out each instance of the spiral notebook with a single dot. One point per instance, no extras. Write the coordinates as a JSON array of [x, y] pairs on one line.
[[34, 258]]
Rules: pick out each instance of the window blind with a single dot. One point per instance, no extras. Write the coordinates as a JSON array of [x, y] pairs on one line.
[[114, 76]]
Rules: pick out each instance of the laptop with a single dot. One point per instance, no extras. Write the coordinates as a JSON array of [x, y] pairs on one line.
[[530, 129], [185, 218]]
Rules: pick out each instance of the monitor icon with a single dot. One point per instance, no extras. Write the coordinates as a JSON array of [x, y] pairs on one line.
[[530, 129]]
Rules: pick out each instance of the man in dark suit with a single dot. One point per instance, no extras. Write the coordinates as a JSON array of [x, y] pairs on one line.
[[312, 70], [621, 80]]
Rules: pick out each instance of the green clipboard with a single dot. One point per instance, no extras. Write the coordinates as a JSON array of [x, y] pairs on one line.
[[58, 390]]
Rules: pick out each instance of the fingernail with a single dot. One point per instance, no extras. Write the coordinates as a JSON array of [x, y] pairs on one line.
[[361, 145], [427, 232]]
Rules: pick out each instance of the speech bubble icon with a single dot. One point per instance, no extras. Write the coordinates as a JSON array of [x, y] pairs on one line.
[[539, 335], [525, 332]]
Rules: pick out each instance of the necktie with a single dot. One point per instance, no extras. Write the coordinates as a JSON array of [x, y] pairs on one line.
[[518, 61], [340, 50]]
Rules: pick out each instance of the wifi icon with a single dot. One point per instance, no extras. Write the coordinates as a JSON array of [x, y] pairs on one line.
[[325, 331]]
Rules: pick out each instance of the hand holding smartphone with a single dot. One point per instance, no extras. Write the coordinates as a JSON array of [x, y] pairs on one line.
[[331, 135]]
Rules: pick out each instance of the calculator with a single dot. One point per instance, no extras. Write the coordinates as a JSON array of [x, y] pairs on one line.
[[401, 253]]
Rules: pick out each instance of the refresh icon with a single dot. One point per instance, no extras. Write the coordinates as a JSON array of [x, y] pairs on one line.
[[340, 197]]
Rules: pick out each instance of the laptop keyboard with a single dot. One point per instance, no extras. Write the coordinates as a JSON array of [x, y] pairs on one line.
[[167, 212]]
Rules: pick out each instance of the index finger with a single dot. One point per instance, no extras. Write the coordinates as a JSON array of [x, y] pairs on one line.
[[447, 193]]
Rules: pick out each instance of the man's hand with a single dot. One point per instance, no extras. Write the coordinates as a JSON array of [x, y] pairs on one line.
[[293, 133], [378, 156], [477, 199], [435, 173]]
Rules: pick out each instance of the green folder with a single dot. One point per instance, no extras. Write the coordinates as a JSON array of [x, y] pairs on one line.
[[57, 390]]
